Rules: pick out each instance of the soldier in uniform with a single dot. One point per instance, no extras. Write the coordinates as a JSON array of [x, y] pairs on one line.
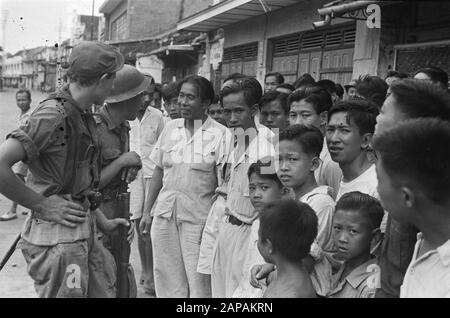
[[60, 145], [119, 165]]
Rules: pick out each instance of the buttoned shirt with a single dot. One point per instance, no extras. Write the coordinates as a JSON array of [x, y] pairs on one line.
[[238, 199], [429, 274], [143, 136], [320, 200], [361, 282], [114, 141], [61, 149], [191, 165]]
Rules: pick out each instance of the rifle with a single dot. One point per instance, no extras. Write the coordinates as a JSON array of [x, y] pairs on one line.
[[10, 252], [120, 242]]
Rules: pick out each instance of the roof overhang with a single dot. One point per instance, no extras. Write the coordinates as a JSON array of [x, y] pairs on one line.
[[109, 5], [229, 12], [171, 48]]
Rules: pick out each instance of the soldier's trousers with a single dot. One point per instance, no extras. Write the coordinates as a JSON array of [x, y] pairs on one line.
[[71, 270]]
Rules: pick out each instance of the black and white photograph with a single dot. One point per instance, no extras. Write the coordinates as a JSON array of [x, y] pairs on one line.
[[232, 151]]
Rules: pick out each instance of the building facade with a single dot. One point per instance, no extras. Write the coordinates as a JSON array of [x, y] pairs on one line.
[[266, 36]]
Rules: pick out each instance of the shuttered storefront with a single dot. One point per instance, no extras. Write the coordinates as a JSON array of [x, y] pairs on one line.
[[323, 54], [240, 59]]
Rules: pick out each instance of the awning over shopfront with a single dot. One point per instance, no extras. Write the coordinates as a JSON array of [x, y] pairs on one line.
[[170, 48], [229, 12]]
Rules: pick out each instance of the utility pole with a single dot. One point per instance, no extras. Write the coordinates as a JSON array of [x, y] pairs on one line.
[[92, 21]]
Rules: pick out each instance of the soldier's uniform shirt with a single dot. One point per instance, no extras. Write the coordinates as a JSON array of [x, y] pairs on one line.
[[114, 141], [61, 149]]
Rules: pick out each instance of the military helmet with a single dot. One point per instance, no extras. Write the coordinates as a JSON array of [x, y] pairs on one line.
[[129, 83]]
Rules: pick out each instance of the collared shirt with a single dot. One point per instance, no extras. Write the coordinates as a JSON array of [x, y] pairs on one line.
[[366, 183], [58, 139], [238, 199], [361, 282], [320, 200], [191, 165], [143, 136], [429, 274], [114, 141], [329, 173]]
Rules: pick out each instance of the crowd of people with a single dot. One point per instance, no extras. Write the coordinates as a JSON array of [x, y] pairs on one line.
[[291, 190]]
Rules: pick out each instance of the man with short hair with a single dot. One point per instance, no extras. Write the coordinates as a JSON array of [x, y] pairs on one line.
[[272, 80], [252, 143], [414, 181], [408, 99], [23, 100], [371, 88], [61, 147]]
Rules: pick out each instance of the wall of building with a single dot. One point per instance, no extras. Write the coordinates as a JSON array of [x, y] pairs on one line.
[[192, 7], [151, 17], [118, 11]]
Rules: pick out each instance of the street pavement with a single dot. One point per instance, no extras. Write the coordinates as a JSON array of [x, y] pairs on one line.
[[14, 280]]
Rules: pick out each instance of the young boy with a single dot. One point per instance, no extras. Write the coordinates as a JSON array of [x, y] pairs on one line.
[[351, 272], [310, 107], [263, 189], [287, 230], [170, 98], [215, 110], [274, 110], [23, 100], [299, 150], [414, 182]]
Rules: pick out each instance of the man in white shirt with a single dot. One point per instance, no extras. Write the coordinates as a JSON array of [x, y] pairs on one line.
[[414, 181], [349, 133]]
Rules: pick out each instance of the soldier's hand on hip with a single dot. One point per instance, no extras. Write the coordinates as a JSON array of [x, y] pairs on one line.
[[130, 159], [61, 210], [145, 225]]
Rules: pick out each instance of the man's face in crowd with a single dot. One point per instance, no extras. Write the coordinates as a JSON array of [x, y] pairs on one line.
[[23, 102], [343, 138], [191, 105], [236, 112], [216, 113], [389, 115], [134, 106], [391, 194], [270, 84], [351, 92], [156, 100], [273, 115], [172, 107], [303, 113]]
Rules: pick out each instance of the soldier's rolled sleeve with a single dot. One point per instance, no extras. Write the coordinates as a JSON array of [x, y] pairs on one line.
[[38, 132]]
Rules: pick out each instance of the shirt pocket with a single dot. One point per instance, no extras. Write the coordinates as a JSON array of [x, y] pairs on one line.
[[82, 177], [202, 170], [169, 158]]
